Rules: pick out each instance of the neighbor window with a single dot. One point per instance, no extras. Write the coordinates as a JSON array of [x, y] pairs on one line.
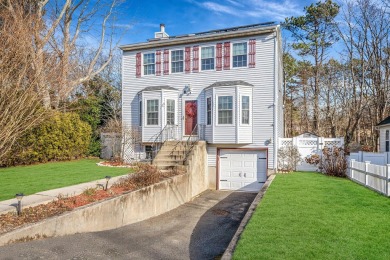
[[225, 110], [207, 58], [387, 141], [152, 112], [208, 110], [170, 112], [239, 54], [245, 110], [149, 63], [177, 61]]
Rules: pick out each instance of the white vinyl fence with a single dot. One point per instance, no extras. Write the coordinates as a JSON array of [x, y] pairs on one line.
[[308, 146], [373, 176], [374, 158]]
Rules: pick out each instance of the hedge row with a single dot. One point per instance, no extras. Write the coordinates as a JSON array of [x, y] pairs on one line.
[[63, 136]]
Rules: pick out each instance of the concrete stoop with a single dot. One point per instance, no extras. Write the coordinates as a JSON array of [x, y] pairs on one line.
[[171, 156]]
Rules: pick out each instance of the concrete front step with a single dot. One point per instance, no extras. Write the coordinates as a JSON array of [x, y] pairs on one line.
[[171, 167]]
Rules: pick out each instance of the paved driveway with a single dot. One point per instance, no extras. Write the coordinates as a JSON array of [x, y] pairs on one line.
[[200, 229]]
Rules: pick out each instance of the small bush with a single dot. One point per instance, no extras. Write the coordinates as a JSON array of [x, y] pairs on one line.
[[62, 137], [288, 158], [332, 162]]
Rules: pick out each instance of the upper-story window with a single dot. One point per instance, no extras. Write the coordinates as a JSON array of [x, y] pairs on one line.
[[177, 61], [245, 110], [208, 101], [208, 58], [387, 141], [152, 112], [240, 55], [170, 112], [225, 110], [149, 63]]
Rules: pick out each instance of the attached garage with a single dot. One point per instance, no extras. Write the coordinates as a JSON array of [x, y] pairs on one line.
[[241, 169]]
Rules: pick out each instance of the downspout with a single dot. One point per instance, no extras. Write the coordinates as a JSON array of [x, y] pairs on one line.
[[276, 83]]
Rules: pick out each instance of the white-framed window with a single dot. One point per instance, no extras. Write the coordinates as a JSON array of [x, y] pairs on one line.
[[240, 54], [170, 111], [149, 63], [245, 110], [208, 110], [387, 141], [177, 61], [225, 110], [140, 113], [207, 58], [152, 112]]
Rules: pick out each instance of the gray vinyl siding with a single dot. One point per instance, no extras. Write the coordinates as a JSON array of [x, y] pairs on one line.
[[262, 77], [212, 156]]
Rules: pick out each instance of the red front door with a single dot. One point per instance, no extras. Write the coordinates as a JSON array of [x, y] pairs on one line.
[[191, 116]]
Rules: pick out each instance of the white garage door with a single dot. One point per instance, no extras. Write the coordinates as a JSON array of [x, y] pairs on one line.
[[242, 170]]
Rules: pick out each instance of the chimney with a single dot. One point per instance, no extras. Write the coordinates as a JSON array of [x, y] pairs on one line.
[[161, 34]]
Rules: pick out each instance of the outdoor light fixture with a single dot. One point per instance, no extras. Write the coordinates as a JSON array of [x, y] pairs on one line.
[[187, 89], [107, 180], [19, 197]]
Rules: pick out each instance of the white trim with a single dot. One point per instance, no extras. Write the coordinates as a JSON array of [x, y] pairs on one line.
[[240, 109], [143, 65], [217, 110], [146, 112], [200, 57], [231, 54], [170, 61], [175, 111]]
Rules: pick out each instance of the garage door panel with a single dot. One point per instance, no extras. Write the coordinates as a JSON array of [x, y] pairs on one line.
[[242, 170]]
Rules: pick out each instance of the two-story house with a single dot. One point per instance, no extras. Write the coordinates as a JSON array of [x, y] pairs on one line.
[[225, 86]]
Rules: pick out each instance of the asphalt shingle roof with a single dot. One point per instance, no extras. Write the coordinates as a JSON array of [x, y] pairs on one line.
[[385, 122]]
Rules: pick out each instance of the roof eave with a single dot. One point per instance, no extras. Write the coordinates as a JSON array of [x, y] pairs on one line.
[[196, 39]]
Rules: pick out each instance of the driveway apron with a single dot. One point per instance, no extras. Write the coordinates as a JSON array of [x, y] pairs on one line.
[[200, 229]]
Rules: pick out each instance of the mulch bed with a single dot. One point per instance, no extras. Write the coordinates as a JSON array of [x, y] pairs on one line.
[[146, 175]]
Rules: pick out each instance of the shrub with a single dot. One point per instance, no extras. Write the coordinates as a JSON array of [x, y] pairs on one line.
[[288, 158], [62, 137], [332, 162]]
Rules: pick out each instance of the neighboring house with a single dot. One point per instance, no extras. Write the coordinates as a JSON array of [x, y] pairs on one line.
[[384, 135], [224, 86]]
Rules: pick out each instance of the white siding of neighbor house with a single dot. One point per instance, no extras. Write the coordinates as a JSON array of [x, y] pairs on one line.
[[382, 138], [263, 78]]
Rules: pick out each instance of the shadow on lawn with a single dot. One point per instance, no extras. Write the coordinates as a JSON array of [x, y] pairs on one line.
[[216, 228]]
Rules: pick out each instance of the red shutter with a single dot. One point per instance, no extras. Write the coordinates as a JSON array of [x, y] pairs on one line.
[[138, 65], [166, 62], [226, 56], [252, 53], [219, 56], [188, 59], [158, 63], [195, 59]]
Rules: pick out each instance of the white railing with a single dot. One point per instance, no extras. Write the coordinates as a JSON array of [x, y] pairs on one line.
[[375, 177]]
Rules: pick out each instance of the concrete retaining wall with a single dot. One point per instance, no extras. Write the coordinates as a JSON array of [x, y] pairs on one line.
[[125, 209]]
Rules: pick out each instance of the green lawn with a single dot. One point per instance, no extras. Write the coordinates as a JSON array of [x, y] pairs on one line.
[[41, 177], [312, 216]]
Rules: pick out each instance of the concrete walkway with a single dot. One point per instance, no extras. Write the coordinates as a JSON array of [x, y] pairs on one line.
[[50, 195], [200, 229]]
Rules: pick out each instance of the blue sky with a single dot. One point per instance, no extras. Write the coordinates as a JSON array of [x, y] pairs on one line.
[[142, 18]]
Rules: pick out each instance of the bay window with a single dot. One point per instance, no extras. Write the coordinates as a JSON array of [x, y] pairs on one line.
[[152, 112], [170, 112], [245, 110], [225, 110], [208, 109]]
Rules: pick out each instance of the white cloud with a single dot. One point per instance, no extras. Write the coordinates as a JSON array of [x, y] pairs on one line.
[[255, 8]]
